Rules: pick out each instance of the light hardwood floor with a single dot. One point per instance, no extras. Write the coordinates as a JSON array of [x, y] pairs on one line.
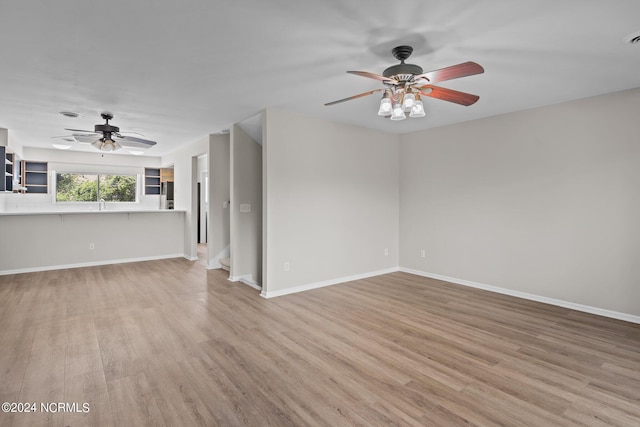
[[170, 343]]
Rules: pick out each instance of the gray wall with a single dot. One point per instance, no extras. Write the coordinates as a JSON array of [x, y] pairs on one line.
[[246, 188], [544, 201], [185, 164], [331, 206], [219, 193], [37, 242]]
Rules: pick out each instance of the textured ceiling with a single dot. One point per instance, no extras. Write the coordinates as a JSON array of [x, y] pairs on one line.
[[178, 70]]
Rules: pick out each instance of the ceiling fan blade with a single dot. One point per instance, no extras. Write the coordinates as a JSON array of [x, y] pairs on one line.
[[450, 95], [83, 131], [454, 72], [86, 139], [130, 141], [374, 76], [354, 97], [129, 133]]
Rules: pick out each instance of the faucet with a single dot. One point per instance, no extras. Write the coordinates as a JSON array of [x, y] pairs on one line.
[[102, 205]]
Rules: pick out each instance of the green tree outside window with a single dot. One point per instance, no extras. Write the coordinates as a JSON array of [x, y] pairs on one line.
[[78, 187]]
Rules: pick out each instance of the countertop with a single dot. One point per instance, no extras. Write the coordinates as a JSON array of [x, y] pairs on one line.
[[106, 211]]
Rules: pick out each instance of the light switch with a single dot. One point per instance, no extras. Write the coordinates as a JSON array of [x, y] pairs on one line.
[[225, 205], [245, 207]]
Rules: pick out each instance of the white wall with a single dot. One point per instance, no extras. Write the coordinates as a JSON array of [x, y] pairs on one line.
[[34, 242], [8, 139], [544, 201], [185, 165], [331, 194], [219, 195], [246, 189]]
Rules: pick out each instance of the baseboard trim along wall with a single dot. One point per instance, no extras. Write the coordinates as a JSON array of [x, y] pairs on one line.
[[322, 284], [247, 279], [560, 303], [89, 264]]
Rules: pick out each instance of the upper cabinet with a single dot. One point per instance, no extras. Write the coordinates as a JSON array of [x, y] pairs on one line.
[[35, 177], [6, 184], [10, 170], [151, 181]]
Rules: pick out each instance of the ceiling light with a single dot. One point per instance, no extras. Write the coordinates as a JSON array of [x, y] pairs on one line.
[[417, 110], [61, 146], [385, 105], [136, 152], [106, 144], [109, 133], [409, 99], [398, 112], [70, 114]]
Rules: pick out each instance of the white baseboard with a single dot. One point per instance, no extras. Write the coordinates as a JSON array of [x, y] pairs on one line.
[[560, 303], [248, 280], [88, 264], [322, 284], [190, 258]]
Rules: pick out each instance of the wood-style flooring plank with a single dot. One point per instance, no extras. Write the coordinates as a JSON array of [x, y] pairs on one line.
[[171, 343]]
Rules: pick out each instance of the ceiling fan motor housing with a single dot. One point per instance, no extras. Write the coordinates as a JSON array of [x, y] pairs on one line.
[[403, 71], [106, 128]]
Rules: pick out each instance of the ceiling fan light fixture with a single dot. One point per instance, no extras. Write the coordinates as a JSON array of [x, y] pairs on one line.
[[61, 146], [385, 105], [408, 101], [398, 112], [417, 110], [404, 83], [106, 144]]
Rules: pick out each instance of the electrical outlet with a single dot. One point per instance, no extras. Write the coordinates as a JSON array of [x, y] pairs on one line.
[[386, 251], [287, 266], [423, 253], [92, 246]]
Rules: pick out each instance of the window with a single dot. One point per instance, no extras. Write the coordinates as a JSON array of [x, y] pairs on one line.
[[85, 187]]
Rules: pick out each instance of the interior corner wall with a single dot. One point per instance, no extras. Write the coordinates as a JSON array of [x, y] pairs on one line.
[[184, 188], [219, 194], [544, 201], [246, 189], [8, 139], [331, 201]]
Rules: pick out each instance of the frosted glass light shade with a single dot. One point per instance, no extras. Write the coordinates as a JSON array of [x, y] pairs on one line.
[[409, 100], [417, 110], [103, 144], [398, 112], [385, 107]]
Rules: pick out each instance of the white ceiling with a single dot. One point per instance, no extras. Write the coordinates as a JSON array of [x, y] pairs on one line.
[[178, 70]]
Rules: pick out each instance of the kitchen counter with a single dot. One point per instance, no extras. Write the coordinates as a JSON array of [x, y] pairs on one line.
[[106, 211], [49, 240]]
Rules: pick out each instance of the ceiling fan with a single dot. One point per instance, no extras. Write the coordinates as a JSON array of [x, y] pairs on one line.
[[406, 83], [109, 137]]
